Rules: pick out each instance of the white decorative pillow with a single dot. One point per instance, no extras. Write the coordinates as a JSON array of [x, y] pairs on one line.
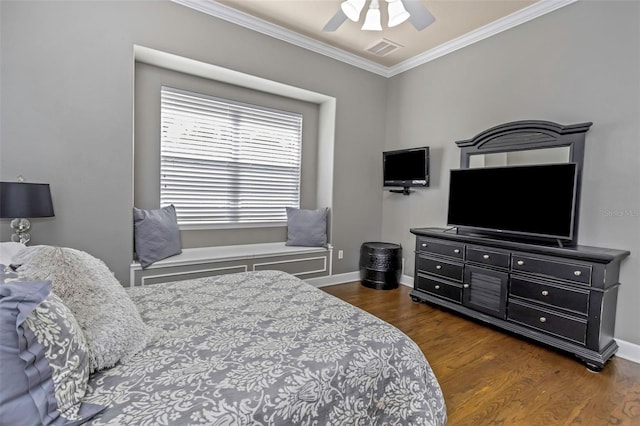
[[108, 318], [8, 250], [7, 274]]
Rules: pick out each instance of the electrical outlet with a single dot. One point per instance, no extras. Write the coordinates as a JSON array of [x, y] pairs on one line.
[[340, 254]]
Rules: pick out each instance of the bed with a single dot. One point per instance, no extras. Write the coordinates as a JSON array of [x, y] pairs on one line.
[[262, 348]]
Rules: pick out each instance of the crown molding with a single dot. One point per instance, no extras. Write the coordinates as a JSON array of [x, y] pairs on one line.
[[218, 10], [226, 13]]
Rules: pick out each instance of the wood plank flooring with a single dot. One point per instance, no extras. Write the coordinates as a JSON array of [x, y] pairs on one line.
[[490, 377]]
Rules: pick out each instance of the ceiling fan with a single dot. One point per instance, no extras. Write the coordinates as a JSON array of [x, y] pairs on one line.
[[399, 11]]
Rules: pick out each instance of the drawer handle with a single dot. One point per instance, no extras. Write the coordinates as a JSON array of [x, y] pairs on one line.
[[437, 287], [438, 266], [465, 285], [486, 256], [543, 319], [545, 293], [520, 262], [456, 251], [577, 273]]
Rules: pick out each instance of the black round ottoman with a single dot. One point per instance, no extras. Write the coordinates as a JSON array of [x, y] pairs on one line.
[[380, 265]]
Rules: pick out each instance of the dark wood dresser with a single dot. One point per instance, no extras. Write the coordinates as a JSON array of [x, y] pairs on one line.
[[562, 297]]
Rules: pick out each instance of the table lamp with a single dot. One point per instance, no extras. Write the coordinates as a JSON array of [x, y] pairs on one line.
[[22, 200]]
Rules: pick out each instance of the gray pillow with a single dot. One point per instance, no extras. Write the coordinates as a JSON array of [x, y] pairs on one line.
[[108, 318], [43, 353], [307, 228], [156, 234]]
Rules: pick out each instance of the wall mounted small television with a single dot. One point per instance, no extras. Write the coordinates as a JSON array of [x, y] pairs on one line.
[[406, 168], [538, 201]]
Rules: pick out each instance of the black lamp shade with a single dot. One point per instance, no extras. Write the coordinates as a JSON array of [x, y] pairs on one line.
[[25, 200]]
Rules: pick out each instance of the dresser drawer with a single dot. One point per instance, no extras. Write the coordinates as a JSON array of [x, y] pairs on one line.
[[481, 255], [441, 268], [556, 296], [571, 328], [551, 268], [427, 245], [439, 288]]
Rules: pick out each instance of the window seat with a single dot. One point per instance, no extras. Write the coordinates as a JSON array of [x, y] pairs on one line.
[[304, 262]]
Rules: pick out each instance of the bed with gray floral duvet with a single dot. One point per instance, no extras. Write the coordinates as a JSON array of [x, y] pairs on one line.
[[265, 348]]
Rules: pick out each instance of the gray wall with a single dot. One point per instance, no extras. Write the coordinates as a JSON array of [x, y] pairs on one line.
[[580, 63], [67, 78]]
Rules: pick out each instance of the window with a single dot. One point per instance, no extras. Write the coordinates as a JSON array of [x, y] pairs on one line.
[[225, 163]]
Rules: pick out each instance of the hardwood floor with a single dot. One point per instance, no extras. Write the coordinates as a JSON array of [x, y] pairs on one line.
[[490, 377]]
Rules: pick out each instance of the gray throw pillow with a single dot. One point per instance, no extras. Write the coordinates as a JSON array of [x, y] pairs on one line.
[[156, 234], [307, 228], [43, 353]]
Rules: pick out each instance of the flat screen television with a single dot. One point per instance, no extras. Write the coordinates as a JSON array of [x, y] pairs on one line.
[[531, 201], [406, 168]]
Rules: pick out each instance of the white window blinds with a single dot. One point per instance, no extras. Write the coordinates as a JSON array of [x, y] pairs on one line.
[[227, 163]]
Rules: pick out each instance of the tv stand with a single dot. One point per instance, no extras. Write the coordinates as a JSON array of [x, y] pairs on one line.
[[564, 297]]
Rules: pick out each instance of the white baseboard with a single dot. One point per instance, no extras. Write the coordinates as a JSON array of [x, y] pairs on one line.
[[629, 351], [334, 279], [626, 350], [406, 280]]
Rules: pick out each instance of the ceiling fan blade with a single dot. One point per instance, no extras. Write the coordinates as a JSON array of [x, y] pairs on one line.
[[420, 17], [335, 22]]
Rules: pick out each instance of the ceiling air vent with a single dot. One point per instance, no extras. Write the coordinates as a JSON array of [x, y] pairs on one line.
[[384, 47]]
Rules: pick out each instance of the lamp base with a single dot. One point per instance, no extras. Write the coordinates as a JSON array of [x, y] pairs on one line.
[[21, 228]]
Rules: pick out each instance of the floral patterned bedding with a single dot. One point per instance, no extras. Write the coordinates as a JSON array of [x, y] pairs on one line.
[[265, 348]]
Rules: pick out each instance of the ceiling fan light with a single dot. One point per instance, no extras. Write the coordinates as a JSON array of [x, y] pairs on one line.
[[372, 19], [353, 8], [397, 13]]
